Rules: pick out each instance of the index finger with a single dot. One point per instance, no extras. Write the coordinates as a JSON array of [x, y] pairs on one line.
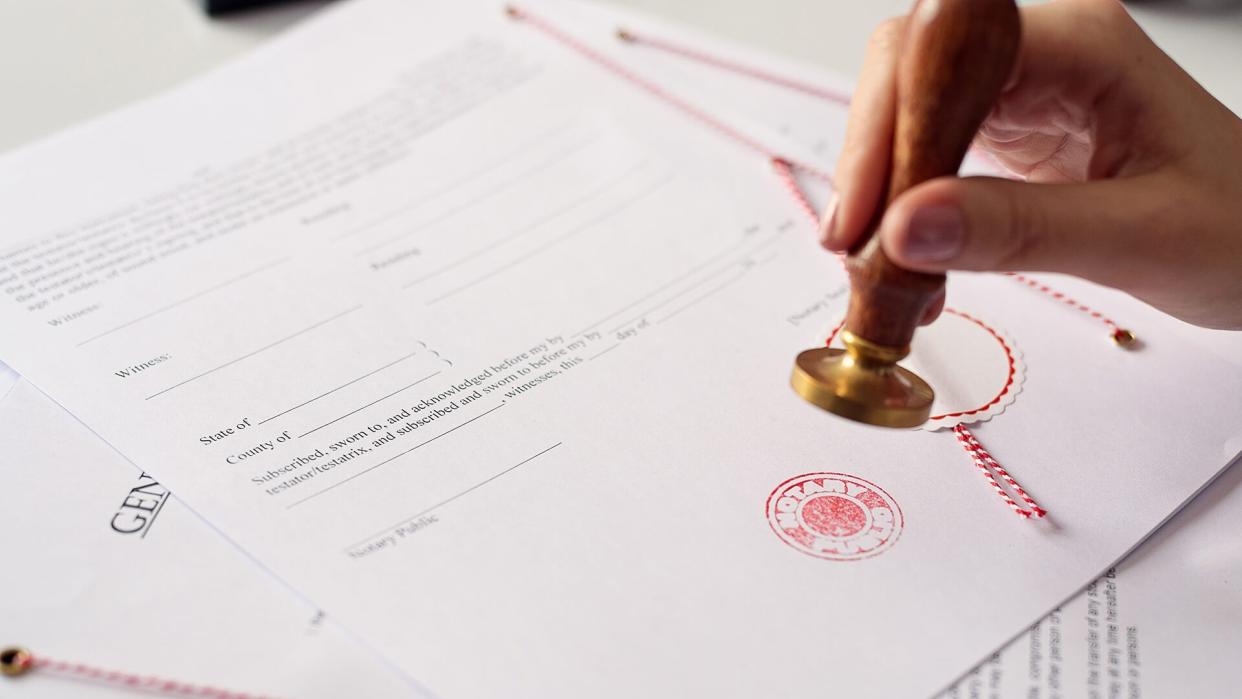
[[862, 167]]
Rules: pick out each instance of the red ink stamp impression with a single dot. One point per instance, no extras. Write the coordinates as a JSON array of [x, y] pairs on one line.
[[835, 516]]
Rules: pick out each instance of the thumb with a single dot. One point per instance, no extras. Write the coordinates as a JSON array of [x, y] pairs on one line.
[[981, 223]]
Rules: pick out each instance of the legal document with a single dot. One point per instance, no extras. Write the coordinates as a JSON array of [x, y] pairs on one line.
[[1164, 623], [485, 352]]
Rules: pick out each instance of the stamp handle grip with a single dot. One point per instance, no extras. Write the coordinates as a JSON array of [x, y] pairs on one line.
[[955, 58]]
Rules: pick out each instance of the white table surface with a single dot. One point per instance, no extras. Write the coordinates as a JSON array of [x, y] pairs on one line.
[[63, 61]]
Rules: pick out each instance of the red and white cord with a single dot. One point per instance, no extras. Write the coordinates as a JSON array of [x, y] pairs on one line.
[[657, 91], [1119, 335], [785, 171], [19, 661], [991, 468], [730, 65]]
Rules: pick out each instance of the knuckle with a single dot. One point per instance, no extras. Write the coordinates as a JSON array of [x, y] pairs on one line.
[[1022, 231]]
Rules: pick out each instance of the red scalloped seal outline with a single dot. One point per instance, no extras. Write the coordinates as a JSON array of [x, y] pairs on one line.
[[1005, 394]]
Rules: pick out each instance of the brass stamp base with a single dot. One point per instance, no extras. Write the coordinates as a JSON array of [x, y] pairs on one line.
[[863, 383]]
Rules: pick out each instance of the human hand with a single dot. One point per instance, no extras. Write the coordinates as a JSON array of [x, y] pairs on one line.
[[1133, 171]]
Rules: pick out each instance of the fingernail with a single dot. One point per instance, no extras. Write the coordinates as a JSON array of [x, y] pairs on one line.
[[828, 224], [934, 234]]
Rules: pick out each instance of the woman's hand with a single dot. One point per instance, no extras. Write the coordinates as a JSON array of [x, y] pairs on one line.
[[1133, 171]]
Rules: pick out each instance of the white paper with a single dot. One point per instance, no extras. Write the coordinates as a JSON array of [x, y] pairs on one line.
[[104, 567], [1163, 624], [8, 378], [349, 236]]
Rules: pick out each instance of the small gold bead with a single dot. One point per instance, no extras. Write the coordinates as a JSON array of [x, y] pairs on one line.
[[15, 661]]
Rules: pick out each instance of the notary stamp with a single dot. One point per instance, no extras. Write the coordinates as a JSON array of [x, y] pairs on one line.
[[834, 516]]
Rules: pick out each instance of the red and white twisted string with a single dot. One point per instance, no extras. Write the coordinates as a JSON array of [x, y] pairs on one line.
[[989, 466], [657, 91], [18, 661]]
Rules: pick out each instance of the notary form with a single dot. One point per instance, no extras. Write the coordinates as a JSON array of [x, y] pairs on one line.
[[485, 352]]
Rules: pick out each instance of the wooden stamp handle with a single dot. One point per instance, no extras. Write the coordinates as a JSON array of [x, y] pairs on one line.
[[955, 58]]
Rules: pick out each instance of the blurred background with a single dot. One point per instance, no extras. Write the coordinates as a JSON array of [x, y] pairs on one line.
[[63, 61]]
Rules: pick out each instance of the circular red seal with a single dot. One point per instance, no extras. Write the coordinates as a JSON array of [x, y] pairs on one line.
[[835, 516]]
